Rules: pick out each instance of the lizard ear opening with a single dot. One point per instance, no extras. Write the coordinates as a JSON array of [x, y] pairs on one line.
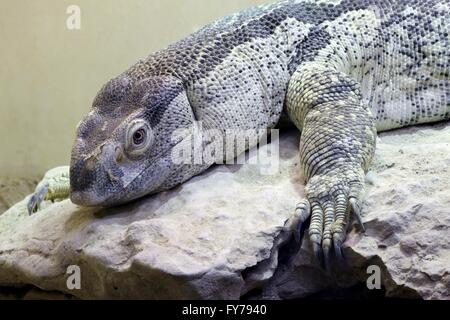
[[139, 138]]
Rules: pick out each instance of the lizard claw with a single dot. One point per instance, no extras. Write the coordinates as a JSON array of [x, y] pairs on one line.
[[54, 185], [36, 199], [333, 197], [318, 252], [326, 245], [302, 213], [357, 212], [326, 241], [338, 252]]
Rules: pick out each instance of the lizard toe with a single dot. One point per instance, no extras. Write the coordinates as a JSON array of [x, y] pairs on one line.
[[316, 230], [302, 213], [36, 199]]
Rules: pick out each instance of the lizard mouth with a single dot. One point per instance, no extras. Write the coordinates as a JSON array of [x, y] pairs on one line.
[[86, 198], [92, 188], [91, 183]]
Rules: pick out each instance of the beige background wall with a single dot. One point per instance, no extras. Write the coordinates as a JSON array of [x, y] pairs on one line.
[[49, 74]]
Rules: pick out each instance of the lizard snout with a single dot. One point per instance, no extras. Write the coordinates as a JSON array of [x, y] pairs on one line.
[[94, 178]]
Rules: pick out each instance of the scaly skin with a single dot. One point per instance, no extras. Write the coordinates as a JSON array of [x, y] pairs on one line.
[[337, 145], [54, 186], [341, 69]]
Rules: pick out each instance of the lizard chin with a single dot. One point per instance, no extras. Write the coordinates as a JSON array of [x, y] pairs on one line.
[[86, 199]]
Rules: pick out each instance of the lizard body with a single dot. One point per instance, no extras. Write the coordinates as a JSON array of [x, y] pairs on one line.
[[342, 70]]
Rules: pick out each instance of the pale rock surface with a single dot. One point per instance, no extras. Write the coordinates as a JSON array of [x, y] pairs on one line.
[[219, 234], [191, 242], [408, 213], [407, 219]]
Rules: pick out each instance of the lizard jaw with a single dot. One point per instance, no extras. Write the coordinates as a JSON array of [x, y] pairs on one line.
[[85, 198]]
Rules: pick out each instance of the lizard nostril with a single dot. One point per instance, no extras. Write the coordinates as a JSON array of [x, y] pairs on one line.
[[90, 163], [119, 154]]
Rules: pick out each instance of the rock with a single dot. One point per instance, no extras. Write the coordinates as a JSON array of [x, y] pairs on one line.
[[37, 294], [220, 235], [198, 240], [408, 213]]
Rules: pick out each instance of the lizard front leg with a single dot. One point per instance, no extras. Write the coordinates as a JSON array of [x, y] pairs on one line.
[[336, 147], [55, 185]]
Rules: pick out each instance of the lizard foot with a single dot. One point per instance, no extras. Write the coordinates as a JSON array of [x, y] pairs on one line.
[[54, 186], [331, 199]]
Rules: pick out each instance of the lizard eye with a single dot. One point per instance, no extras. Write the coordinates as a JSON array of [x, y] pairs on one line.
[[139, 137]]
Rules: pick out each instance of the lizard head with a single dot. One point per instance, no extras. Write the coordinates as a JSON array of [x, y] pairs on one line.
[[123, 147]]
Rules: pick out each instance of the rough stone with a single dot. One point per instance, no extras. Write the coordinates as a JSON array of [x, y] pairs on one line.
[[218, 236]]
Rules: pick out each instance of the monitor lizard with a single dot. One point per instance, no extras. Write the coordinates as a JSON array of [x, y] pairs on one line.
[[342, 70]]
